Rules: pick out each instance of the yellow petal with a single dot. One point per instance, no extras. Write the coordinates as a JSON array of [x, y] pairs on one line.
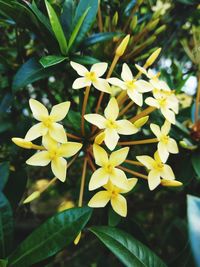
[[131, 183], [125, 127], [163, 151], [102, 85], [146, 161], [143, 86], [38, 109], [80, 69], [59, 168], [100, 155], [119, 205], [69, 149], [39, 159], [153, 179], [119, 179], [112, 110], [156, 130], [99, 68], [36, 131], [49, 143], [80, 83], [169, 115], [99, 200], [141, 69], [58, 133], [117, 82], [111, 138], [99, 138], [98, 179], [119, 156], [152, 102], [172, 146], [157, 157], [126, 73], [166, 127], [167, 173], [135, 97], [96, 119], [59, 111]]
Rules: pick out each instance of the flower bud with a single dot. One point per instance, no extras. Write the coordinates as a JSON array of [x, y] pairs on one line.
[[133, 23], [22, 142], [140, 122], [171, 183], [153, 57], [123, 45], [32, 197], [77, 239], [115, 19], [160, 29], [152, 24]]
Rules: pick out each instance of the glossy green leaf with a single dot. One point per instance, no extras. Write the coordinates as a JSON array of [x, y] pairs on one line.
[[113, 218], [4, 174], [51, 60], [84, 60], [77, 28], [101, 37], [30, 72], [52, 236], [67, 16], [196, 163], [6, 226], [57, 28], [127, 249]]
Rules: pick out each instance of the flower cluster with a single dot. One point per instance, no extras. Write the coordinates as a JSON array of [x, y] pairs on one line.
[[108, 125]]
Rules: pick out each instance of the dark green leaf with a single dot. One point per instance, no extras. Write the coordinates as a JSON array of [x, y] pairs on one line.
[[129, 7], [30, 72], [129, 250], [67, 17], [4, 174], [6, 226], [57, 28], [100, 38], [3, 263], [85, 60], [196, 163], [113, 218], [50, 237], [51, 60], [193, 213]]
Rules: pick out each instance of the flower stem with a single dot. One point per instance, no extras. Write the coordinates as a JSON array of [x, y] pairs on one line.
[[91, 162], [87, 91], [142, 114], [38, 147], [73, 136], [133, 162], [100, 23], [138, 142], [134, 173], [197, 100], [126, 108], [80, 201]]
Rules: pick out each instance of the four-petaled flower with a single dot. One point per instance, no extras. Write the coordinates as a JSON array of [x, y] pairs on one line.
[[166, 144], [108, 170], [91, 77], [55, 153], [113, 194], [112, 126], [157, 170], [135, 88], [48, 122]]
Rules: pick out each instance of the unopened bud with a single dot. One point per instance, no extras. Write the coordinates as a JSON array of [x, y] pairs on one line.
[[153, 57], [152, 24], [171, 183], [187, 145], [22, 142], [115, 19], [77, 239], [123, 45], [140, 122], [133, 23], [32, 197], [99, 138], [160, 29]]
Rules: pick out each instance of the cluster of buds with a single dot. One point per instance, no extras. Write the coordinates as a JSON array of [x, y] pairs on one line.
[[103, 151]]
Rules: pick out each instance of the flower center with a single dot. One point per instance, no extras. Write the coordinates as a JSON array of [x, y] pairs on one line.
[[47, 122], [91, 76], [109, 168], [164, 139], [131, 84], [162, 102], [111, 124], [114, 193], [53, 154], [159, 166]]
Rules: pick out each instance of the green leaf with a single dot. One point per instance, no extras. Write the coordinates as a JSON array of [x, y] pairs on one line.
[[113, 218], [6, 226], [100, 38], [77, 28], [52, 236], [67, 17], [84, 60], [51, 60], [3, 263], [89, 19], [196, 163], [30, 72], [130, 251], [193, 213], [4, 174], [57, 28]]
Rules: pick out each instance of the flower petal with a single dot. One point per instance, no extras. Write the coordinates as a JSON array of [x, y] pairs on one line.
[[167, 173], [80, 69], [39, 159], [99, 200], [119, 156], [143, 86], [99, 178], [96, 119], [156, 130], [166, 127], [172, 146], [141, 69], [99, 68], [102, 85], [59, 168], [36, 131], [49, 143], [111, 112], [117, 82], [119, 205], [169, 115], [126, 127], [38, 109], [163, 151], [146, 161], [119, 179], [100, 155], [135, 96], [80, 83], [58, 133], [111, 138], [152, 102], [59, 111], [131, 183], [126, 73], [69, 149], [153, 179]]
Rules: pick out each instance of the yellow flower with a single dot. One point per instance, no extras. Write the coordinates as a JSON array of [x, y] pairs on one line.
[[113, 194], [135, 88], [55, 154], [108, 170], [91, 77], [148, 73], [157, 170], [166, 144], [48, 122], [112, 127]]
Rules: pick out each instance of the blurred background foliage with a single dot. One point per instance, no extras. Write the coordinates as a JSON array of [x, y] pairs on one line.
[[34, 62]]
